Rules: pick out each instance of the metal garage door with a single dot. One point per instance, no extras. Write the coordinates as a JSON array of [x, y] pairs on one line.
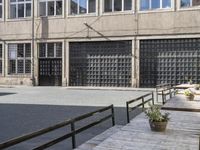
[[172, 61], [100, 63]]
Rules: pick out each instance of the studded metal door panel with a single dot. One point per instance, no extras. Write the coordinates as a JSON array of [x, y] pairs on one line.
[[100, 64], [172, 61], [50, 72]]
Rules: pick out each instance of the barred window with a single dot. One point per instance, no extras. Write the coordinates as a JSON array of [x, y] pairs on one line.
[[1, 59], [20, 8], [50, 50], [50, 7], [19, 57], [1, 9]]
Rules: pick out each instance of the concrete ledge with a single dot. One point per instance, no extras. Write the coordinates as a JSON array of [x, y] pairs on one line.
[[109, 88]]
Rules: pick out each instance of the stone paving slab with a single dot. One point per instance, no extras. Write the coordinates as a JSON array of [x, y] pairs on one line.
[[181, 134], [89, 145]]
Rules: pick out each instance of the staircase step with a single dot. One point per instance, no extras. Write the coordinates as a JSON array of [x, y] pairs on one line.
[[89, 145]]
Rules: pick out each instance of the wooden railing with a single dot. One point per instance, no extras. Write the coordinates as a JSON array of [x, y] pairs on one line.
[[141, 101], [72, 134]]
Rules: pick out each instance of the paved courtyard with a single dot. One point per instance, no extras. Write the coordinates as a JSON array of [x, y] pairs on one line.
[[26, 109]]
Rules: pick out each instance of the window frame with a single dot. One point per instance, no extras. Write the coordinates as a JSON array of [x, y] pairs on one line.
[[189, 7], [55, 10], [122, 9], [78, 9], [17, 3], [24, 58], [46, 49], [161, 9], [2, 9]]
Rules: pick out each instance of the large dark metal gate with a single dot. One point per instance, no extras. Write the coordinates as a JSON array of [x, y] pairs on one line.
[[172, 61], [50, 72], [100, 63]]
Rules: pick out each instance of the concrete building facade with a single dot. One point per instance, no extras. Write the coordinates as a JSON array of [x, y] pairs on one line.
[[98, 42]]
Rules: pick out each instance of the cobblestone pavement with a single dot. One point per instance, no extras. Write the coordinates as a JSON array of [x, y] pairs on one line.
[[26, 109]]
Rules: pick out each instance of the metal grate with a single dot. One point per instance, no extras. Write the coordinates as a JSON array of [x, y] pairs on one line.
[[172, 61], [1, 56], [100, 63]]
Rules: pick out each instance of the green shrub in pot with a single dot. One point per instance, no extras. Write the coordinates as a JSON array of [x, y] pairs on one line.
[[157, 120]]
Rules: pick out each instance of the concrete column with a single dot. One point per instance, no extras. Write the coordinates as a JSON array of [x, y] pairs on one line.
[[5, 59], [36, 63], [135, 63], [137, 58], [67, 62]]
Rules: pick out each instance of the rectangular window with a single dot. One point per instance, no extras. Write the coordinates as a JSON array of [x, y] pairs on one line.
[[82, 7], [190, 3], [1, 56], [154, 4], [20, 8], [50, 7], [1, 9], [50, 50], [19, 58], [117, 5]]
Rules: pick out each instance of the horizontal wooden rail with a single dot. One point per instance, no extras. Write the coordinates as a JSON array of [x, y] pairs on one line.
[[72, 134], [142, 101]]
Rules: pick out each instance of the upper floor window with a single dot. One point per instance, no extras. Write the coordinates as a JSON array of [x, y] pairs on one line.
[[50, 7], [154, 4], [20, 8], [82, 7], [1, 9], [190, 3], [117, 5], [19, 58]]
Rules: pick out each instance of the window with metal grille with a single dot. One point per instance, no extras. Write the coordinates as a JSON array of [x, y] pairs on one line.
[[50, 50], [1, 59], [19, 58], [173, 61], [20, 8], [50, 7]]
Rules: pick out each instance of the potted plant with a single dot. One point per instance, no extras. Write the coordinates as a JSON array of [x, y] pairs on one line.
[[189, 95], [197, 87], [190, 81], [157, 120]]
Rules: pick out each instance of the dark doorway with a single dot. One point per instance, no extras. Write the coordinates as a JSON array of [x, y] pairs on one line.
[[50, 72]]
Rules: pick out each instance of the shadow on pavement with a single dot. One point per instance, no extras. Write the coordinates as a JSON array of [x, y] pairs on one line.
[[4, 94], [19, 119]]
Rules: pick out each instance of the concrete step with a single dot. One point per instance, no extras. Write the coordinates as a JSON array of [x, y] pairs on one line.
[[89, 145]]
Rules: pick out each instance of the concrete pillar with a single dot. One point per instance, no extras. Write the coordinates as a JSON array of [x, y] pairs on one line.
[[64, 63], [67, 62]]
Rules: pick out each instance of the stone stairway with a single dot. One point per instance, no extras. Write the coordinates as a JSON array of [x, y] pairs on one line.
[[89, 145]]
